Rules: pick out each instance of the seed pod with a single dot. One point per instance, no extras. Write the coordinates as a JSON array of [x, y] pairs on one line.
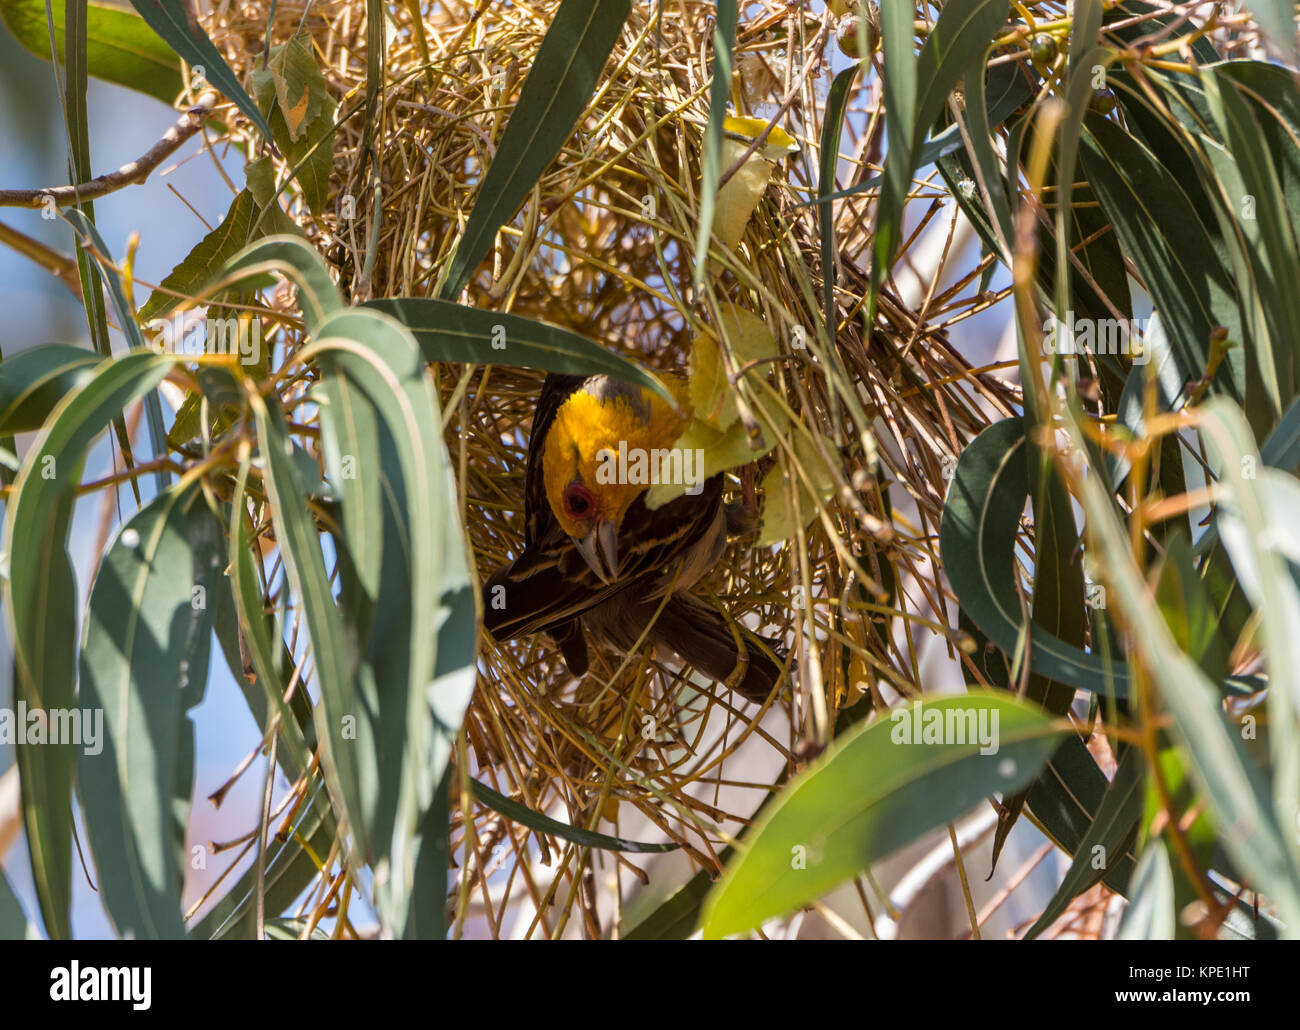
[[1102, 101], [1042, 48], [846, 31]]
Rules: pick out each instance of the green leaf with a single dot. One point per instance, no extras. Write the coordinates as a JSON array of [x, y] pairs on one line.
[[1175, 793], [678, 916], [1008, 90], [556, 92], [965, 30], [1132, 20], [14, 924], [74, 85], [120, 47], [1183, 600], [33, 381], [900, 86], [1161, 231], [1066, 799], [300, 111], [1067, 796], [1058, 601], [724, 41], [719, 451], [1268, 98], [1256, 523], [1222, 769], [1281, 450], [272, 663], [293, 257], [144, 664], [1251, 178], [126, 320], [293, 753], [832, 123], [1256, 507], [982, 156], [525, 816], [1163, 363], [1083, 34], [1078, 95], [981, 517], [428, 918], [1108, 839], [305, 566], [293, 929], [1221, 193], [76, 120], [447, 331], [298, 83], [916, 90], [1150, 912], [449, 697], [375, 39], [378, 400], [876, 790], [175, 22], [42, 603], [203, 261]]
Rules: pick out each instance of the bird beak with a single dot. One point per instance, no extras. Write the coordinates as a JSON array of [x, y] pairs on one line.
[[599, 549]]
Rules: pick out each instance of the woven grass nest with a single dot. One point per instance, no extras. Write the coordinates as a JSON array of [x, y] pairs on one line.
[[640, 748]]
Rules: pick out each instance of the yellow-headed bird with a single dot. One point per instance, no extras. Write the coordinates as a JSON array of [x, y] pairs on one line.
[[596, 558]]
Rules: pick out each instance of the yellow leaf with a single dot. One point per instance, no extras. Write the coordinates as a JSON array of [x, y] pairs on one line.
[[778, 144], [711, 393], [711, 398], [715, 451], [778, 517], [740, 195], [749, 336]]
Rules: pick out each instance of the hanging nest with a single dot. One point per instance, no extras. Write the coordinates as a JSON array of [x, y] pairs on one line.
[[640, 748]]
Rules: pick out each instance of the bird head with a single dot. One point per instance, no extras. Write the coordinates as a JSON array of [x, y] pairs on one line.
[[586, 484]]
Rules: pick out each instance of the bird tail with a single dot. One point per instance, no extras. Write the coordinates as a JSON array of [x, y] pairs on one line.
[[702, 636], [719, 648]]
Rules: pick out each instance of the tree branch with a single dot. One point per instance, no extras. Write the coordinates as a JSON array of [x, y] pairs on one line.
[[135, 172], [64, 266]]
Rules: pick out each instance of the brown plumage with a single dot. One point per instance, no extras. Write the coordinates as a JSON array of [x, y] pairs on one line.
[[633, 556]]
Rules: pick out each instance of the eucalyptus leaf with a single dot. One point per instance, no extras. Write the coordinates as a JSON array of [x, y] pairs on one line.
[[874, 791], [556, 92], [120, 46], [144, 665], [41, 598]]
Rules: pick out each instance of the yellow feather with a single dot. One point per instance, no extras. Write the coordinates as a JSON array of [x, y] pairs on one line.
[[585, 426]]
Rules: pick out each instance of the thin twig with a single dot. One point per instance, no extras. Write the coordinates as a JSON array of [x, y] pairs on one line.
[[133, 172]]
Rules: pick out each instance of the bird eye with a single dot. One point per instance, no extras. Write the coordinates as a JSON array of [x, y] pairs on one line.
[[578, 501]]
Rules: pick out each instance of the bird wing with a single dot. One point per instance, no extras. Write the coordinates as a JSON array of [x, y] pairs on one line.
[[550, 583]]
